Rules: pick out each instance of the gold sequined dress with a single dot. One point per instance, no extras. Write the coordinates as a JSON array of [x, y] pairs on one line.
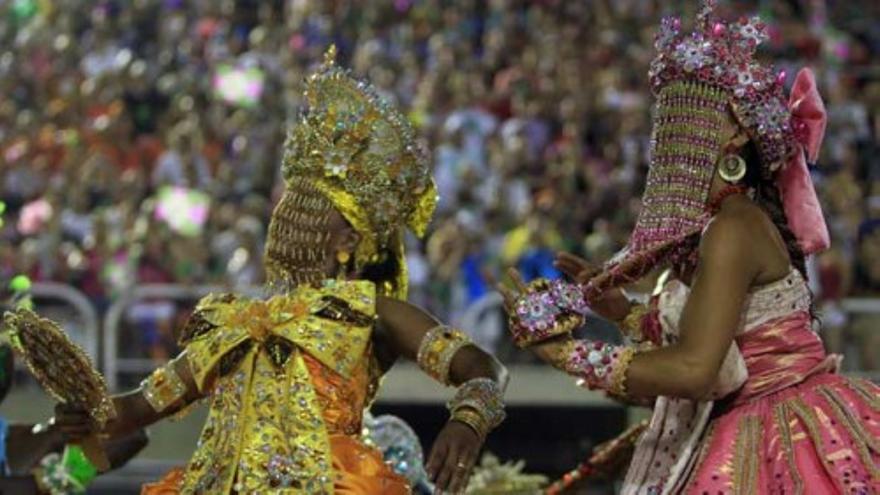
[[288, 379]]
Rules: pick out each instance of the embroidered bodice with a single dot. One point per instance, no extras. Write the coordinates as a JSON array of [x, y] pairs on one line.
[[283, 376], [768, 302]]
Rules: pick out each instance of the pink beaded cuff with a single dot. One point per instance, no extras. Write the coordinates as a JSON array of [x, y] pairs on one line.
[[548, 310], [601, 366]]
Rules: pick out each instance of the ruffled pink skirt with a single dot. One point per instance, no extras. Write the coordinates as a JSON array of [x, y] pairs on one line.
[[820, 436]]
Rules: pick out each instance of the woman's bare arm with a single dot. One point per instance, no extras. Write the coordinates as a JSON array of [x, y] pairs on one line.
[[456, 447], [405, 327], [711, 315], [135, 412]]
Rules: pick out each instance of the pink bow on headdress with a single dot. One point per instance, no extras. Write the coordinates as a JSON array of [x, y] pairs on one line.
[[802, 209]]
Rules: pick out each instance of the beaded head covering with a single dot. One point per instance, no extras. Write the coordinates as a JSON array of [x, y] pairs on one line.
[[699, 79], [352, 152]]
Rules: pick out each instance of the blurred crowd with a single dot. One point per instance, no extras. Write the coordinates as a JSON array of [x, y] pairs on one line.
[[141, 139]]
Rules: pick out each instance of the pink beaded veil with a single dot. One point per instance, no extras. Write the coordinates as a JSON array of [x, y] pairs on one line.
[[698, 78]]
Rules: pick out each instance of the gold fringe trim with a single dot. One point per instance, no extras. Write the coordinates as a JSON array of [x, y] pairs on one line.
[[782, 416], [745, 469], [860, 437]]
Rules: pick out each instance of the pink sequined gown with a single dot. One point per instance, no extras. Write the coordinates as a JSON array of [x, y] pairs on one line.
[[783, 421]]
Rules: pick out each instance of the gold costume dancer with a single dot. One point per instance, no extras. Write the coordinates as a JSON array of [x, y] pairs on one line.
[[288, 378]]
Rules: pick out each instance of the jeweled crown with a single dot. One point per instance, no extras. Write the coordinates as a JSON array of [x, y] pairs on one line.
[[362, 154], [722, 54]]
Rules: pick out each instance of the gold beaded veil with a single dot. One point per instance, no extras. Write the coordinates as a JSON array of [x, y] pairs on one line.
[[351, 151]]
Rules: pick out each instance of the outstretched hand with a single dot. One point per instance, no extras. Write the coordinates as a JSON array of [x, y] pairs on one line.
[[612, 304], [453, 457]]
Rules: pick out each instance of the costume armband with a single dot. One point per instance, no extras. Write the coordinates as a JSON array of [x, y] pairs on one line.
[[163, 388], [437, 349]]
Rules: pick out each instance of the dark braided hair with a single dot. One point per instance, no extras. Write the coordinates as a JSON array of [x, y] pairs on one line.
[[767, 197]]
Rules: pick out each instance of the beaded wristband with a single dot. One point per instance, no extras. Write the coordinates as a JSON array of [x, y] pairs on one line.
[[437, 349], [52, 477], [482, 395], [78, 465], [549, 309], [569, 297], [163, 387], [600, 365]]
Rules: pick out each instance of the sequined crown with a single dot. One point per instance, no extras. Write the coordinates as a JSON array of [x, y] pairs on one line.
[[362, 154], [722, 54]]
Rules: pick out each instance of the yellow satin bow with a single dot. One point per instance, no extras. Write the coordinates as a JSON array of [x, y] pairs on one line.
[[257, 345]]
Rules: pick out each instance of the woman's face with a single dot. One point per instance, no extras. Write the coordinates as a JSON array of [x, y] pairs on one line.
[[305, 249]]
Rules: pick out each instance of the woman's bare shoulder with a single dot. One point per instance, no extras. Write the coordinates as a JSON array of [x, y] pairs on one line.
[[745, 231]]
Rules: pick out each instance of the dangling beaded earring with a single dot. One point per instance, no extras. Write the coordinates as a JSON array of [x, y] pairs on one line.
[[732, 168], [342, 258]]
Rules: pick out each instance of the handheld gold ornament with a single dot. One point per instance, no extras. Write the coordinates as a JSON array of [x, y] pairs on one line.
[[63, 370]]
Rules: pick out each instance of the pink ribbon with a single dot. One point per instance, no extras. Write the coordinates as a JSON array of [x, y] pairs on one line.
[[801, 205]]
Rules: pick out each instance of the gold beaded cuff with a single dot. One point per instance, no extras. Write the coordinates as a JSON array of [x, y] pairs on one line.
[[163, 388], [617, 380], [437, 349], [631, 326]]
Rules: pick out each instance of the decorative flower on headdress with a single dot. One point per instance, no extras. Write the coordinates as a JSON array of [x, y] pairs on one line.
[[693, 53], [722, 54]]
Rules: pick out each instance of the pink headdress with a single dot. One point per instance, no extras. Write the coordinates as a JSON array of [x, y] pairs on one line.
[[722, 55], [697, 78]]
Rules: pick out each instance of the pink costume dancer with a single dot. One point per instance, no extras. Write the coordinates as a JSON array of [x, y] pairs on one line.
[[779, 419]]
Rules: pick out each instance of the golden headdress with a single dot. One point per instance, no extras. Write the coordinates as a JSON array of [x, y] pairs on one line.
[[361, 154]]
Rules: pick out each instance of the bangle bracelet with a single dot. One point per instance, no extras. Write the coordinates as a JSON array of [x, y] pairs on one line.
[[437, 350], [163, 388], [53, 477], [483, 396], [78, 466], [473, 419]]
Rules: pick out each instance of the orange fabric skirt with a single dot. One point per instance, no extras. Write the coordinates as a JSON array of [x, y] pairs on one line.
[[359, 470]]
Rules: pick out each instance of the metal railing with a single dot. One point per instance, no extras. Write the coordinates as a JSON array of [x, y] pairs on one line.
[[113, 364], [79, 302], [483, 314], [102, 338]]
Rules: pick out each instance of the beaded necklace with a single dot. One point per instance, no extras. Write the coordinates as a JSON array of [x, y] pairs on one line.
[[714, 204]]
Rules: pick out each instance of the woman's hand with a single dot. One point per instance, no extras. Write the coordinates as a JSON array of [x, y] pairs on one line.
[[453, 457], [611, 305]]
